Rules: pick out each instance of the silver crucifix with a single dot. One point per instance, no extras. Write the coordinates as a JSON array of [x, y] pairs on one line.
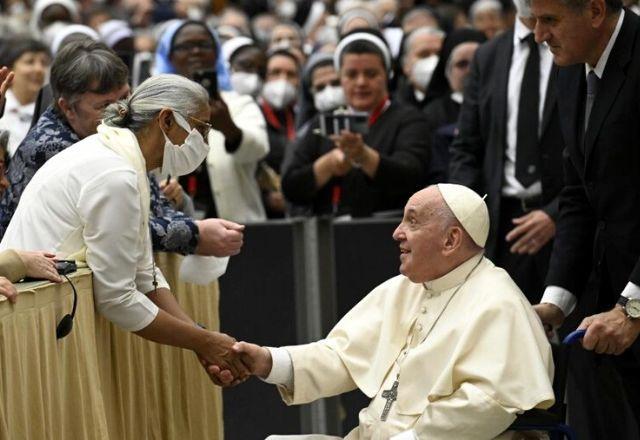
[[391, 396]]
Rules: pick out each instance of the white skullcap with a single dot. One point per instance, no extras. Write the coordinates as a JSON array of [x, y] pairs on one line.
[[69, 30], [362, 36], [230, 46], [470, 210], [114, 31]]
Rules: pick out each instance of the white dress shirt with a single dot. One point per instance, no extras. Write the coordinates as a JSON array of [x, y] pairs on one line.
[[557, 295], [511, 185], [88, 195], [17, 120]]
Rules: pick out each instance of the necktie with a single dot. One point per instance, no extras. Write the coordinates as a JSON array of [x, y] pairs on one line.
[[592, 90], [527, 156]]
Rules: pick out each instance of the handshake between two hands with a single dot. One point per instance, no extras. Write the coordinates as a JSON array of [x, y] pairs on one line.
[[229, 363]]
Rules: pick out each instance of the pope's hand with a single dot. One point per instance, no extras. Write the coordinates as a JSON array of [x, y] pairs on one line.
[[40, 265], [7, 289], [550, 315], [217, 350], [609, 332], [218, 237], [256, 358], [531, 233]]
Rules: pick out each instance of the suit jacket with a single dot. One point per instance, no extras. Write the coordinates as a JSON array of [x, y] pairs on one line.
[[477, 154], [599, 224]]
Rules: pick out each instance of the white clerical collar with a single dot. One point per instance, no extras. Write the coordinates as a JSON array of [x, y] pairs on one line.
[[454, 277], [602, 62], [457, 97], [419, 95]]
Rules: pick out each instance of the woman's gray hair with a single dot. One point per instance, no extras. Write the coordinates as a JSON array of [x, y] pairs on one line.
[[170, 91]]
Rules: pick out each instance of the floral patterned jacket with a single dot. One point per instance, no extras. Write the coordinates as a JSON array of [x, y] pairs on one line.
[[171, 230]]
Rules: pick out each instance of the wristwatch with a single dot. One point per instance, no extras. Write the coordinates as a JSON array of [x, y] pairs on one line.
[[630, 306]]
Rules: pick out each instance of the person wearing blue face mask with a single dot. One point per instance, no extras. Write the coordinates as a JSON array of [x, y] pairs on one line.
[[224, 184], [69, 206]]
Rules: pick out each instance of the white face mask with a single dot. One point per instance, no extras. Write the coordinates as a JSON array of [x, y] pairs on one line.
[[423, 71], [246, 83], [279, 93], [179, 160], [329, 98]]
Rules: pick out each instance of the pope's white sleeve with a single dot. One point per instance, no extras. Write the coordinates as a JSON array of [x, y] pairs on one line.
[[467, 414], [110, 208], [318, 371], [281, 368]]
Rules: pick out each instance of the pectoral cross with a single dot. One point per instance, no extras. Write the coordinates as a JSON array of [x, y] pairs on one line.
[[391, 396]]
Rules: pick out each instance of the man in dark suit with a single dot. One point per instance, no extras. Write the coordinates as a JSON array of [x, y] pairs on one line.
[[598, 45], [509, 147]]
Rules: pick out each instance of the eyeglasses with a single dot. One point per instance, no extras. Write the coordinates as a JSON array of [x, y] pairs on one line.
[[207, 127], [462, 64], [190, 45]]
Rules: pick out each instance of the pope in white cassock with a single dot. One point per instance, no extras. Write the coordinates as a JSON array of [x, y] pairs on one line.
[[450, 349]]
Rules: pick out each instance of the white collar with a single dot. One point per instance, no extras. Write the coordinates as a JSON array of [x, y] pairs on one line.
[[457, 97], [520, 32], [455, 277], [602, 62]]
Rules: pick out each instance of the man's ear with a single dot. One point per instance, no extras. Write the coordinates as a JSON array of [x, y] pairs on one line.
[[598, 10], [453, 239]]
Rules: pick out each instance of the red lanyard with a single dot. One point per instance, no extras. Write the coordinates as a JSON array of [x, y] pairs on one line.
[[379, 110], [273, 120]]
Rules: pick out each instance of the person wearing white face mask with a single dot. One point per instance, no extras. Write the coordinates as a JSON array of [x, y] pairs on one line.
[[247, 64], [277, 102], [420, 57], [90, 203]]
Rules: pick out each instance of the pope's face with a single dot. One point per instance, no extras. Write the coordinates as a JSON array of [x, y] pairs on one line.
[[421, 237], [570, 33]]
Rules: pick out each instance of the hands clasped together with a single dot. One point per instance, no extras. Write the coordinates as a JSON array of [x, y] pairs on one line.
[[229, 363]]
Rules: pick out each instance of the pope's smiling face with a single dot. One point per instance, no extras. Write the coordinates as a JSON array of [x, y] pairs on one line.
[[422, 237]]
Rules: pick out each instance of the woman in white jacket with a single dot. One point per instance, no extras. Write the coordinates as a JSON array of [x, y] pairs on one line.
[[227, 186], [91, 203]]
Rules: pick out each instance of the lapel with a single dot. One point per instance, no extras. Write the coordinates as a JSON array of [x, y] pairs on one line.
[[504, 52], [612, 79], [550, 100]]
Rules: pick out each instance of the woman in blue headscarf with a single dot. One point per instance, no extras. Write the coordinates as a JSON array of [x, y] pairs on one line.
[[169, 53], [225, 186]]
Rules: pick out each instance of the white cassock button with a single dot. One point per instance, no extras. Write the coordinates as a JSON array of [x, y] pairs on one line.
[[531, 169], [419, 327], [423, 310], [429, 295]]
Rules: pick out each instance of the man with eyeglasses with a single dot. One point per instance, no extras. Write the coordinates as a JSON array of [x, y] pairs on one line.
[[509, 146]]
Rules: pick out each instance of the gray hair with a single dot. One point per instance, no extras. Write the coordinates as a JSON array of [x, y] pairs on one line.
[[424, 30], [86, 66], [170, 91], [484, 6]]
